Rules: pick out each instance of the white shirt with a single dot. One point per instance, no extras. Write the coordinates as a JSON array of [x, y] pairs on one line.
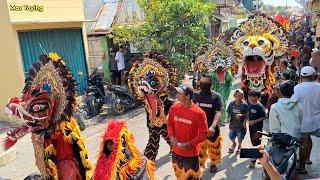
[[308, 94], [120, 61]]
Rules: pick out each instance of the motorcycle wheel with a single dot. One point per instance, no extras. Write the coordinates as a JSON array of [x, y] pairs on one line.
[[80, 121], [117, 108]]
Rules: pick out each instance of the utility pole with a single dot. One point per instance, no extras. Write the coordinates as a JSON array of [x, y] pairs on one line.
[[257, 5]]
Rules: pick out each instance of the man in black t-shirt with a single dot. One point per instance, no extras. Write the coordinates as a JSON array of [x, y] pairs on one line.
[[211, 103]]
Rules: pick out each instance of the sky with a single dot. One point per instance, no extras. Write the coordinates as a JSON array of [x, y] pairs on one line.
[[281, 2]]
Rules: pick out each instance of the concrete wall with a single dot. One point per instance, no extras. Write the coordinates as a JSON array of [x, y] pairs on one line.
[[46, 10], [11, 70]]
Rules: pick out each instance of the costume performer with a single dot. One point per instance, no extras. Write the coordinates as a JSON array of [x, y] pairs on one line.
[[119, 158], [221, 62], [150, 79], [259, 40], [46, 109]]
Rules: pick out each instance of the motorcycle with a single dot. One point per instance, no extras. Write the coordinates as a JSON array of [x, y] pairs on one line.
[[94, 95], [282, 152], [123, 100]]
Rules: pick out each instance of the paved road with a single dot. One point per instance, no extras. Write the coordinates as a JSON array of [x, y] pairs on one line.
[[232, 167]]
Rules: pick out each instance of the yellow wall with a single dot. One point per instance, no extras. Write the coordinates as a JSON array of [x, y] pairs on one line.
[[11, 70], [55, 14], [46, 10]]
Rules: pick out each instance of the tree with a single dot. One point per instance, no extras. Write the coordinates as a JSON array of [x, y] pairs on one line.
[[174, 27]]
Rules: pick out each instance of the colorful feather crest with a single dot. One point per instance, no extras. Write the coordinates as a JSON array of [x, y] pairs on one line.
[[217, 51], [125, 161], [50, 83]]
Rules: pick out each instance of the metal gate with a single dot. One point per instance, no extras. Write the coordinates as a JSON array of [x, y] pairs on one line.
[[68, 43]]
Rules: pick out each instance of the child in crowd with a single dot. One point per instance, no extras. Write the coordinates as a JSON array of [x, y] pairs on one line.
[[237, 113], [256, 115]]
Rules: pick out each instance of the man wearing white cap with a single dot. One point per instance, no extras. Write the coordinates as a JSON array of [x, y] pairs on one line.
[[308, 94]]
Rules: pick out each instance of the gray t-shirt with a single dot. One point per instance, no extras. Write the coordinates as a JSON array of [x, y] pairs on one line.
[[233, 110]]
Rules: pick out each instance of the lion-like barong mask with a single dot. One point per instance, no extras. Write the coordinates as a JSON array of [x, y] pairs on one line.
[[218, 57], [48, 98], [259, 40], [151, 78]]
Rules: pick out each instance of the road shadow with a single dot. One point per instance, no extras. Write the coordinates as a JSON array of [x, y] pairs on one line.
[[227, 160], [238, 171], [162, 161]]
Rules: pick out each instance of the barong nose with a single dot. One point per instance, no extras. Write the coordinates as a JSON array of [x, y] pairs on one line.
[[252, 45]]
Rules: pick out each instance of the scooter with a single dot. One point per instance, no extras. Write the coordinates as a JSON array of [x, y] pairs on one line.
[[282, 152], [94, 95], [122, 100]]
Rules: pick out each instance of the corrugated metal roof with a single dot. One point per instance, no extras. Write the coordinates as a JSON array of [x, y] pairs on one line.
[[91, 9], [106, 16], [117, 12], [129, 13]]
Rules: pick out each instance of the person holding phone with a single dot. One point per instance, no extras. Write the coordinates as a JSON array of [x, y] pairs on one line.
[[265, 162], [237, 113]]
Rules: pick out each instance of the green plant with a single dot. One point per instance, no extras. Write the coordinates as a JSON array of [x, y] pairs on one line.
[[174, 27]]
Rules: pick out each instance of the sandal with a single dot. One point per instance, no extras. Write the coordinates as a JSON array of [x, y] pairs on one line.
[[231, 149], [238, 151], [308, 162]]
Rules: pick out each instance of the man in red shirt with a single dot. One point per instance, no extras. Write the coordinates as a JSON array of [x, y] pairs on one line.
[[187, 127], [295, 53]]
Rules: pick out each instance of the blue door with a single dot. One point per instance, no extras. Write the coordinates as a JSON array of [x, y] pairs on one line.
[[68, 43]]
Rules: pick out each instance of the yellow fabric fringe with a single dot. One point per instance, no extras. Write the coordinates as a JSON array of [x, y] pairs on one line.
[[213, 150], [119, 156], [181, 174], [75, 137], [52, 169], [134, 164], [54, 56], [151, 168], [49, 151]]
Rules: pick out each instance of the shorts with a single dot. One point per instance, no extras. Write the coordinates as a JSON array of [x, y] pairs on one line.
[[305, 135], [239, 133]]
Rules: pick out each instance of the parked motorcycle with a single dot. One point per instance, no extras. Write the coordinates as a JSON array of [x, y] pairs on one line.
[[282, 152], [122, 100], [94, 95]]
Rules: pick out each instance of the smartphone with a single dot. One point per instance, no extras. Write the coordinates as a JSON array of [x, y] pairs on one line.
[[250, 153]]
